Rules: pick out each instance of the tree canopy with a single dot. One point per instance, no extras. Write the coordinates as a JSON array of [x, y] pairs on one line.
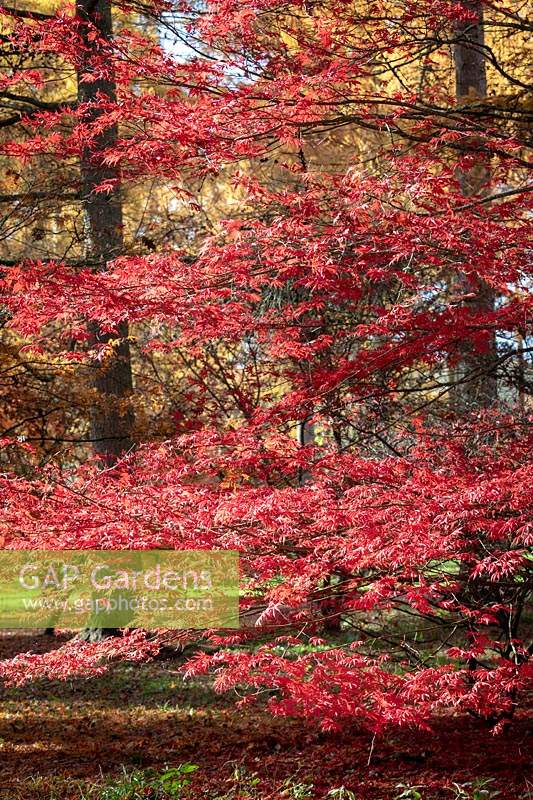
[[275, 266]]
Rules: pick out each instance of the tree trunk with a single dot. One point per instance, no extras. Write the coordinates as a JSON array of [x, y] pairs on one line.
[[112, 416], [477, 370], [475, 376]]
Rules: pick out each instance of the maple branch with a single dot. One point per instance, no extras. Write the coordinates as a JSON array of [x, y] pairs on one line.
[[8, 121], [42, 105], [491, 197]]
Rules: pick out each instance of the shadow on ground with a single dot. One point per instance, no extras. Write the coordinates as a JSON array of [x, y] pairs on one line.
[[56, 739]]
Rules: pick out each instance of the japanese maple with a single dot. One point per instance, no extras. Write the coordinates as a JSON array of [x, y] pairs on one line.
[[339, 336]]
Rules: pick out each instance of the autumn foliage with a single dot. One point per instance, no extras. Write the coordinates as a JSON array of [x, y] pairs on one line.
[[354, 412]]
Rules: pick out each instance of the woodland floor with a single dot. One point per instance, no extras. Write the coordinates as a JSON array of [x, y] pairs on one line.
[[64, 740]]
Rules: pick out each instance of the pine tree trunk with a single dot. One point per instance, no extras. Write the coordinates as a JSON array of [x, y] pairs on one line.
[[476, 376]]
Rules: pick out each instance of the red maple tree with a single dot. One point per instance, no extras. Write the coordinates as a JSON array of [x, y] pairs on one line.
[[357, 420]]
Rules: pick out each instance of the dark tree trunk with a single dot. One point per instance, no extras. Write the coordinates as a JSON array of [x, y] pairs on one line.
[[112, 416], [476, 373]]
